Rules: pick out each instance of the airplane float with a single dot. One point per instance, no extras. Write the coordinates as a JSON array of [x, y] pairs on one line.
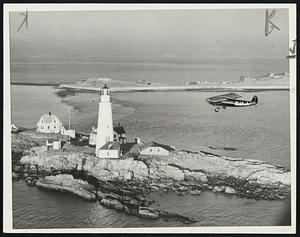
[[230, 100]]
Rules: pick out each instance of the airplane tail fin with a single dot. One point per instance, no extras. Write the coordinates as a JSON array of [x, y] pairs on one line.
[[255, 99]]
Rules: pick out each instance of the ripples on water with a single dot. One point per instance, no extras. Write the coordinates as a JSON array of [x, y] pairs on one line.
[[47, 209]]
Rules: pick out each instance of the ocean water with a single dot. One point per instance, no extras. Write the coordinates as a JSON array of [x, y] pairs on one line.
[[34, 208], [29, 103], [170, 72], [182, 119]]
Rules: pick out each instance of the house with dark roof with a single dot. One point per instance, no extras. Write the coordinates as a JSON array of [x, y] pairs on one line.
[[157, 149], [49, 123], [14, 128], [109, 150], [120, 134]]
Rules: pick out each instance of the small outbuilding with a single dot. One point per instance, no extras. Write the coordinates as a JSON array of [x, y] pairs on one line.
[[109, 150], [70, 133], [153, 148], [53, 144], [14, 129], [93, 137]]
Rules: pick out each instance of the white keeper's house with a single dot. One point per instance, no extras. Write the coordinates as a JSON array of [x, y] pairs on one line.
[[49, 123], [153, 148]]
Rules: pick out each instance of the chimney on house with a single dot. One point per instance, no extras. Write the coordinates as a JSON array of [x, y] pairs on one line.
[[137, 140]]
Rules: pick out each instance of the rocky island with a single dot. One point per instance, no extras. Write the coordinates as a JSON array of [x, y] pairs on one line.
[[123, 184]]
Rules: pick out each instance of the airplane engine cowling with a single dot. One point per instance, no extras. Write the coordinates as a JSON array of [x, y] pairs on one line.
[[255, 99]]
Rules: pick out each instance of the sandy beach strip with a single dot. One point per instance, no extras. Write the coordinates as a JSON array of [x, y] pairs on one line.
[[178, 88]]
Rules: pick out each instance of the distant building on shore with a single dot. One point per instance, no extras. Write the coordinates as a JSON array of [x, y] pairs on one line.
[[49, 123], [14, 128], [153, 148]]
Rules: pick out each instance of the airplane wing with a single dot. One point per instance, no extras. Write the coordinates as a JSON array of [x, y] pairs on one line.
[[224, 97], [231, 96], [216, 99]]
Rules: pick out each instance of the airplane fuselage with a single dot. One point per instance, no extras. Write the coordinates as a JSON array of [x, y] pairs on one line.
[[230, 100], [237, 103]]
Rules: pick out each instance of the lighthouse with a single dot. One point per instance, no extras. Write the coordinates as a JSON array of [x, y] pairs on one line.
[[105, 122]]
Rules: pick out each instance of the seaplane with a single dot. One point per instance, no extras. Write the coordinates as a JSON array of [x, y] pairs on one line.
[[25, 20], [269, 25], [230, 100], [292, 51]]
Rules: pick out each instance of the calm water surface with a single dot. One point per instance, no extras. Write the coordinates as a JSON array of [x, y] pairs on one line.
[[177, 71], [34, 208], [182, 119]]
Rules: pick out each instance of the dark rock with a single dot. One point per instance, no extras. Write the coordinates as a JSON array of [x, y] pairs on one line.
[[14, 176], [112, 203], [195, 192], [148, 213]]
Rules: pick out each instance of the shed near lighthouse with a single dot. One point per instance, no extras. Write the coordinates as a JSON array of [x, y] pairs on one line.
[[105, 132]]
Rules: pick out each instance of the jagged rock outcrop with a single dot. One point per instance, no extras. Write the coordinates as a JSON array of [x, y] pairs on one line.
[[20, 143], [120, 184], [251, 170], [250, 178], [66, 183]]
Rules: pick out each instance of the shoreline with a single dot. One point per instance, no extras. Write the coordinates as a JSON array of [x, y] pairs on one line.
[[158, 88], [15, 83], [177, 88]]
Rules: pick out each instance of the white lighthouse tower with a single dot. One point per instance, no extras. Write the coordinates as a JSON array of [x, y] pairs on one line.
[[105, 122]]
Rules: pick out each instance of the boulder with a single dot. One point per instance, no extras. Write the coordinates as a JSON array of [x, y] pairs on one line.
[[229, 190], [66, 183], [148, 213], [112, 203], [182, 188], [14, 175], [196, 176], [195, 192], [217, 189]]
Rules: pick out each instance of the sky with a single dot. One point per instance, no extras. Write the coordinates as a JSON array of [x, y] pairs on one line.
[[157, 33]]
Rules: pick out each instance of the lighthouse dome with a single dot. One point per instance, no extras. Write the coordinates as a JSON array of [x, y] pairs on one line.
[[104, 90]]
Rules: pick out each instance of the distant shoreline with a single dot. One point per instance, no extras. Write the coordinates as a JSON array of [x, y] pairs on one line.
[[158, 88], [34, 83], [177, 88]]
